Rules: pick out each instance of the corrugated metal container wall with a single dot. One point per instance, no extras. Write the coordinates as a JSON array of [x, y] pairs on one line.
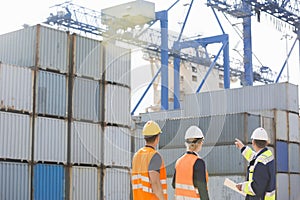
[[281, 96], [49, 182], [173, 131], [84, 183], [87, 57], [294, 135], [15, 134], [116, 184], [281, 125], [294, 186], [230, 157], [282, 156], [161, 115], [16, 88], [86, 97], [294, 157], [218, 129], [282, 189], [19, 48], [14, 181], [117, 142], [268, 125], [50, 140], [117, 105], [139, 141], [51, 94], [170, 190], [118, 64], [170, 156], [86, 143], [217, 190], [54, 49]]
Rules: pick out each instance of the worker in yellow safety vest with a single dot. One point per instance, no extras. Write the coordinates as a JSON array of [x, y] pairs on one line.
[[261, 177], [149, 176], [190, 177]]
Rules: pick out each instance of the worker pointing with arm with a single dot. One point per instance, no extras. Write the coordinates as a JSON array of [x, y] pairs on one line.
[[261, 183], [149, 176], [190, 177]]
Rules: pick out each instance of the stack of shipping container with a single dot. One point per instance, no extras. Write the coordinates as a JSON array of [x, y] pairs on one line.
[[229, 114], [65, 124]]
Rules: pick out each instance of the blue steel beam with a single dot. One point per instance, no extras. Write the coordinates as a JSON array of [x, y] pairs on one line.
[[211, 66], [285, 62], [163, 17], [247, 36], [146, 91], [176, 62]]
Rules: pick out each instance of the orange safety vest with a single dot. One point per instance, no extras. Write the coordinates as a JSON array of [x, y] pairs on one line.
[[141, 185], [184, 186]]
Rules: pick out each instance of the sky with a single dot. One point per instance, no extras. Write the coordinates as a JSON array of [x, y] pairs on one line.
[[269, 45]]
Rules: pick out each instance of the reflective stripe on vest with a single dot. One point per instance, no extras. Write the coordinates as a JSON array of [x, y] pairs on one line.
[[184, 186], [248, 154], [141, 185], [270, 195]]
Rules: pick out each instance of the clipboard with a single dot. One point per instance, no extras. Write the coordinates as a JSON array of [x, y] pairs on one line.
[[232, 185]]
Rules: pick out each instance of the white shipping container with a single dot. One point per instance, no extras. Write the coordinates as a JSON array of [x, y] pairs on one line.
[[117, 64], [217, 189], [117, 105], [117, 146], [84, 183], [281, 125], [50, 140], [294, 186], [86, 97], [282, 96], [282, 186], [15, 181], [116, 184], [51, 94], [15, 134], [16, 87], [87, 57], [86, 143], [36, 45], [294, 135], [294, 157]]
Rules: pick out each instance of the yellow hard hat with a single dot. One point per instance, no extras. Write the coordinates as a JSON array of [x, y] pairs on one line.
[[151, 128]]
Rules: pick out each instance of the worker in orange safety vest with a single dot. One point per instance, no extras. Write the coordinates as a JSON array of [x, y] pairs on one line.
[[149, 176], [191, 177]]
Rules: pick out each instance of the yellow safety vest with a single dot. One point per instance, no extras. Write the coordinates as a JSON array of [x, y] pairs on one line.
[[264, 158]]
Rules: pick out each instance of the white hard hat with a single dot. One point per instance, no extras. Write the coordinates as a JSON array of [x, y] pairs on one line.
[[260, 134], [193, 132]]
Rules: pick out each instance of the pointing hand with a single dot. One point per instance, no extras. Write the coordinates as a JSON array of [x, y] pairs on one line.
[[238, 143]]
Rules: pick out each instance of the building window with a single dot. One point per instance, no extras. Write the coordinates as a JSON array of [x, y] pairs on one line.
[[194, 78], [181, 78], [194, 69]]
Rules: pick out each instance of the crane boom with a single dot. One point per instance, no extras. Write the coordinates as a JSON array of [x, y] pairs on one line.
[[78, 18]]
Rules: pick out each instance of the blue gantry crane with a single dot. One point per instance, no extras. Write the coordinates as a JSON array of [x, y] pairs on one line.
[[78, 18], [284, 10]]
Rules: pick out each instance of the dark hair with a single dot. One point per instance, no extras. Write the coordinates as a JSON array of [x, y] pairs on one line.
[[151, 139], [261, 143]]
